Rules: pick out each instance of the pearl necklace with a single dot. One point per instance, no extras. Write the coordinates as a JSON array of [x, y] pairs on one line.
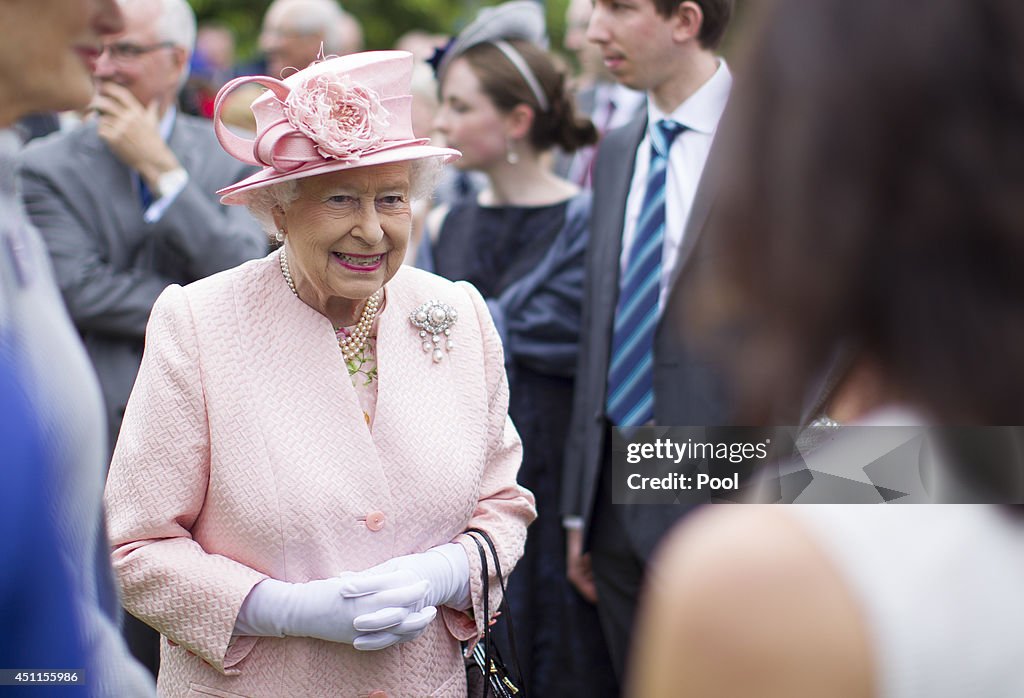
[[353, 343]]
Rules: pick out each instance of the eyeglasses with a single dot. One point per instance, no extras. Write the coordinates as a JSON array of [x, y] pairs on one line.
[[126, 53]]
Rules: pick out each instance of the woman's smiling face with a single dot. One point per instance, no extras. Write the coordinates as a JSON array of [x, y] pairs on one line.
[[347, 234]]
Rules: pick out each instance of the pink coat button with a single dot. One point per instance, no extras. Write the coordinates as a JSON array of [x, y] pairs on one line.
[[378, 694], [375, 522]]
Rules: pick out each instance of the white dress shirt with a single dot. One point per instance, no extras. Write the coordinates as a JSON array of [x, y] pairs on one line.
[[700, 115]]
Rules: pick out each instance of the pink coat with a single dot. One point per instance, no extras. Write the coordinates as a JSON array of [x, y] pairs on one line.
[[244, 454]]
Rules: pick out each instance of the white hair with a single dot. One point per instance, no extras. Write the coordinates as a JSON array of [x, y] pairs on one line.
[[423, 177], [316, 17], [176, 22]]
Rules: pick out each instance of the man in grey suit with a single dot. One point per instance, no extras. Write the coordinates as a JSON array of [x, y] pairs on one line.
[[651, 202], [126, 203]]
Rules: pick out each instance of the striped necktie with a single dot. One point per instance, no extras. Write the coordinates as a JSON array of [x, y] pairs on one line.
[[631, 369]]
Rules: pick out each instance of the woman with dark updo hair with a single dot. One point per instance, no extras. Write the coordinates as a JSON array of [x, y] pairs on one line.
[[505, 105]]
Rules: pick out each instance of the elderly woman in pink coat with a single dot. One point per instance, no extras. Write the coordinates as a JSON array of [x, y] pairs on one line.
[[311, 434]]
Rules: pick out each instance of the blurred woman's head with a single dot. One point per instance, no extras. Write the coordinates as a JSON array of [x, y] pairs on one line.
[[873, 164]]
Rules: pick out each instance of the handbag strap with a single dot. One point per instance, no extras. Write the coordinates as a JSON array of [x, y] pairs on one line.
[[487, 615], [503, 607]]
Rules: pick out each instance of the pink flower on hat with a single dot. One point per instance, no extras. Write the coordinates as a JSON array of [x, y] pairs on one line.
[[344, 119]]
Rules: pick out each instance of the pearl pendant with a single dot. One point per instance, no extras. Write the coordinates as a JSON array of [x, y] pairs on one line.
[[434, 320]]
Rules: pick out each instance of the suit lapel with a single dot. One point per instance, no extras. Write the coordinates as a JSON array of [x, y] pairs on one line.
[[183, 147], [610, 208], [703, 202], [613, 176]]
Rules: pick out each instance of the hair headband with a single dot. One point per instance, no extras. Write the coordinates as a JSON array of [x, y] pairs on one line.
[[517, 60]]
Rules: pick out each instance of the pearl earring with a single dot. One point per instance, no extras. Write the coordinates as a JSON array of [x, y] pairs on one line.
[[279, 236], [510, 152]]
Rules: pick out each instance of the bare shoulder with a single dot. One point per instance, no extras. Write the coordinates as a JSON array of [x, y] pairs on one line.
[[742, 601], [724, 541]]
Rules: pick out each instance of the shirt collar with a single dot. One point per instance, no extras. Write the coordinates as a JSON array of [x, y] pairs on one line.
[[702, 111], [626, 98], [167, 123], [622, 96]]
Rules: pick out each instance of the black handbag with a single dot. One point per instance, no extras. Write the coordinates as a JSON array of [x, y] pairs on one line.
[[488, 675]]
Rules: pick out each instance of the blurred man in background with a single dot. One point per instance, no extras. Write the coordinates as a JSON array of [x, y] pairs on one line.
[[294, 31]]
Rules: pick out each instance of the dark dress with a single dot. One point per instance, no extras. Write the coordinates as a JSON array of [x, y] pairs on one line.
[[527, 262]]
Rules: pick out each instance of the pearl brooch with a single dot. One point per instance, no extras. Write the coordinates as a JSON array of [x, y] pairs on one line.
[[434, 320], [352, 343]]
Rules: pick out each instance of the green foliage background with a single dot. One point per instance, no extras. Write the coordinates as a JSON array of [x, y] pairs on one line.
[[383, 20], [386, 20]]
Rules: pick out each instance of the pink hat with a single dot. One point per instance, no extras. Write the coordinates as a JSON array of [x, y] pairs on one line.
[[336, 114]]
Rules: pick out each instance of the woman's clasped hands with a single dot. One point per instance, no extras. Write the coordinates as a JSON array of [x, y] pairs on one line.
[[444, 570], [391, 603], [392, 611]]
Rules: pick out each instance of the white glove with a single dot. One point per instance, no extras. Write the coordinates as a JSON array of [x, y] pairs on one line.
[[445, 567], [328, 610], [409, 629]]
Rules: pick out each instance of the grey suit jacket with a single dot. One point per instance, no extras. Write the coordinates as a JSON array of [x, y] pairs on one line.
[[110, 264], [688, 391]]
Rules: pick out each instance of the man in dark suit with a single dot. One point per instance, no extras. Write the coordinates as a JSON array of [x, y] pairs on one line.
[[651, 202], [126, 202]]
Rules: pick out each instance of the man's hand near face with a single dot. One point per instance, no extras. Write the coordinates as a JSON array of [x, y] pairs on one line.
[[132, 132]]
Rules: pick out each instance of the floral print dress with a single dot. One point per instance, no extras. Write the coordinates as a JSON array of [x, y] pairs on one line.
[[362, 369]]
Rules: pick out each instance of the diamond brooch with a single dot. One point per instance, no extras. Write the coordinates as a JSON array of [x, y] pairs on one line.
[[434, 320]]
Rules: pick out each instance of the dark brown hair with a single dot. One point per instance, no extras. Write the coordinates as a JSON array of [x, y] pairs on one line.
[[872, 176], [502, 82], [717, 14]]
